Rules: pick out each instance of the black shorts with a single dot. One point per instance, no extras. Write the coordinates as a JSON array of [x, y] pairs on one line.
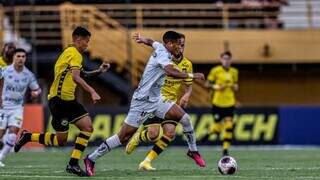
[[157, 120], [65, 112], [220, 113]]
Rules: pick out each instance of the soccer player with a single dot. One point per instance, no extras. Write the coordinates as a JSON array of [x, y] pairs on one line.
[[223, 80], [7, 54], [15, 79], [152, 133], [147, 99], [6, 59], [62, 103]]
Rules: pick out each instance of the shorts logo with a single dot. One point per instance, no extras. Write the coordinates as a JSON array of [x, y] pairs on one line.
[[64, 122]]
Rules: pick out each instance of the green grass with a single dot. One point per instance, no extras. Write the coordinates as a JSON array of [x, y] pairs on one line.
[[271, 163]]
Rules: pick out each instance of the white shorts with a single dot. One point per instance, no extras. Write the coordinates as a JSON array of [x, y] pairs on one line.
[[11, 117], [140, 110]]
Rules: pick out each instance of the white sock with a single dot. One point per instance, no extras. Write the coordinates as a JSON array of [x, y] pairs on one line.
[[189, 132], [109, 144], [9, 141]]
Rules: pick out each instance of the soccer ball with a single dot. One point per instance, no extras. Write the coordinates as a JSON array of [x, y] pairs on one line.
[[227, 165]]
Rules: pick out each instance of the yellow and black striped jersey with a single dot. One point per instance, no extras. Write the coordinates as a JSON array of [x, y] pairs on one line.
[[228, 77], [2, 62], [172, 86], [63, 85]]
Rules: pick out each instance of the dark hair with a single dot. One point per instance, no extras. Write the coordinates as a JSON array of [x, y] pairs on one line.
[[171, 36], [8, 44], [18, 50], [81, 31], [228, 53]]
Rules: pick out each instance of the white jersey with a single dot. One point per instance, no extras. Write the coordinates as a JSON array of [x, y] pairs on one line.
[[15, 86], [153, 75]]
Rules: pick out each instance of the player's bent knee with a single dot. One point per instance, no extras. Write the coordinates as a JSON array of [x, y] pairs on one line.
[[88, 129], [155, 133], [170, 134]]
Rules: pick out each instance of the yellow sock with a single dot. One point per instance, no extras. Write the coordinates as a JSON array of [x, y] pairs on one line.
[[158, 148], [47, 139], [80, 145], [228, 134], [216, 128]]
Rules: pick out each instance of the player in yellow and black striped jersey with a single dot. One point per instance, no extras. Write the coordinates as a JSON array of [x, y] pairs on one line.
[[223, 80], [63, 105], [171, 90]]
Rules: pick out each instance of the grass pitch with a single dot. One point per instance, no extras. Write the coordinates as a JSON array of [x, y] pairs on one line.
[[253, 163]]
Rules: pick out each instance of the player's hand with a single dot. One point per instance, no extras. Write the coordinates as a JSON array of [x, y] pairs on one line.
[[104, 67], [184, 101], [138, 38], [235, 87], [95, 97], [35, 94], [221, 87], [199, 76]]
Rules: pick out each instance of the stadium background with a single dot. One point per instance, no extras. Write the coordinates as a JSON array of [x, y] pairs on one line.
[[276, 47]]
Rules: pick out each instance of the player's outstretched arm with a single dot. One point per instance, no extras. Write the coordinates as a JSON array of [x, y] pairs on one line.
[[173, 72], [140, 39], [76, 77], [102, 69]]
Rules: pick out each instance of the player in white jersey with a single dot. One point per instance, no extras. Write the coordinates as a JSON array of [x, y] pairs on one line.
[[147, 99], [15, 79]]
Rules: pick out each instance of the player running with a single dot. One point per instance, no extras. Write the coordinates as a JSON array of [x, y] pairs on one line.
[[63, 105], [153, 125], [223, 80], [147, 99], [15, 79]]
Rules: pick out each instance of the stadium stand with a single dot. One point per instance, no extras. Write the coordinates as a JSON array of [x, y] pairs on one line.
[[112, 25]]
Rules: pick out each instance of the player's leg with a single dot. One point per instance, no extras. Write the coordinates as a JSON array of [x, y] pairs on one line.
[[125, 133], [9, 140], [84, 124], [60, 110], [159, 146], [177, 113], [151, 132], [218, 123], [227, 136], [48, 139], [2, 132], [3, 127], [127, 130]]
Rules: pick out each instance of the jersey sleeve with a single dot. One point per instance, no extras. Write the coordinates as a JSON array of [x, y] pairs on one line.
[[33, 83], [212, 75], [156, 45], [75, 61], [189, 69], [163, 58]]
